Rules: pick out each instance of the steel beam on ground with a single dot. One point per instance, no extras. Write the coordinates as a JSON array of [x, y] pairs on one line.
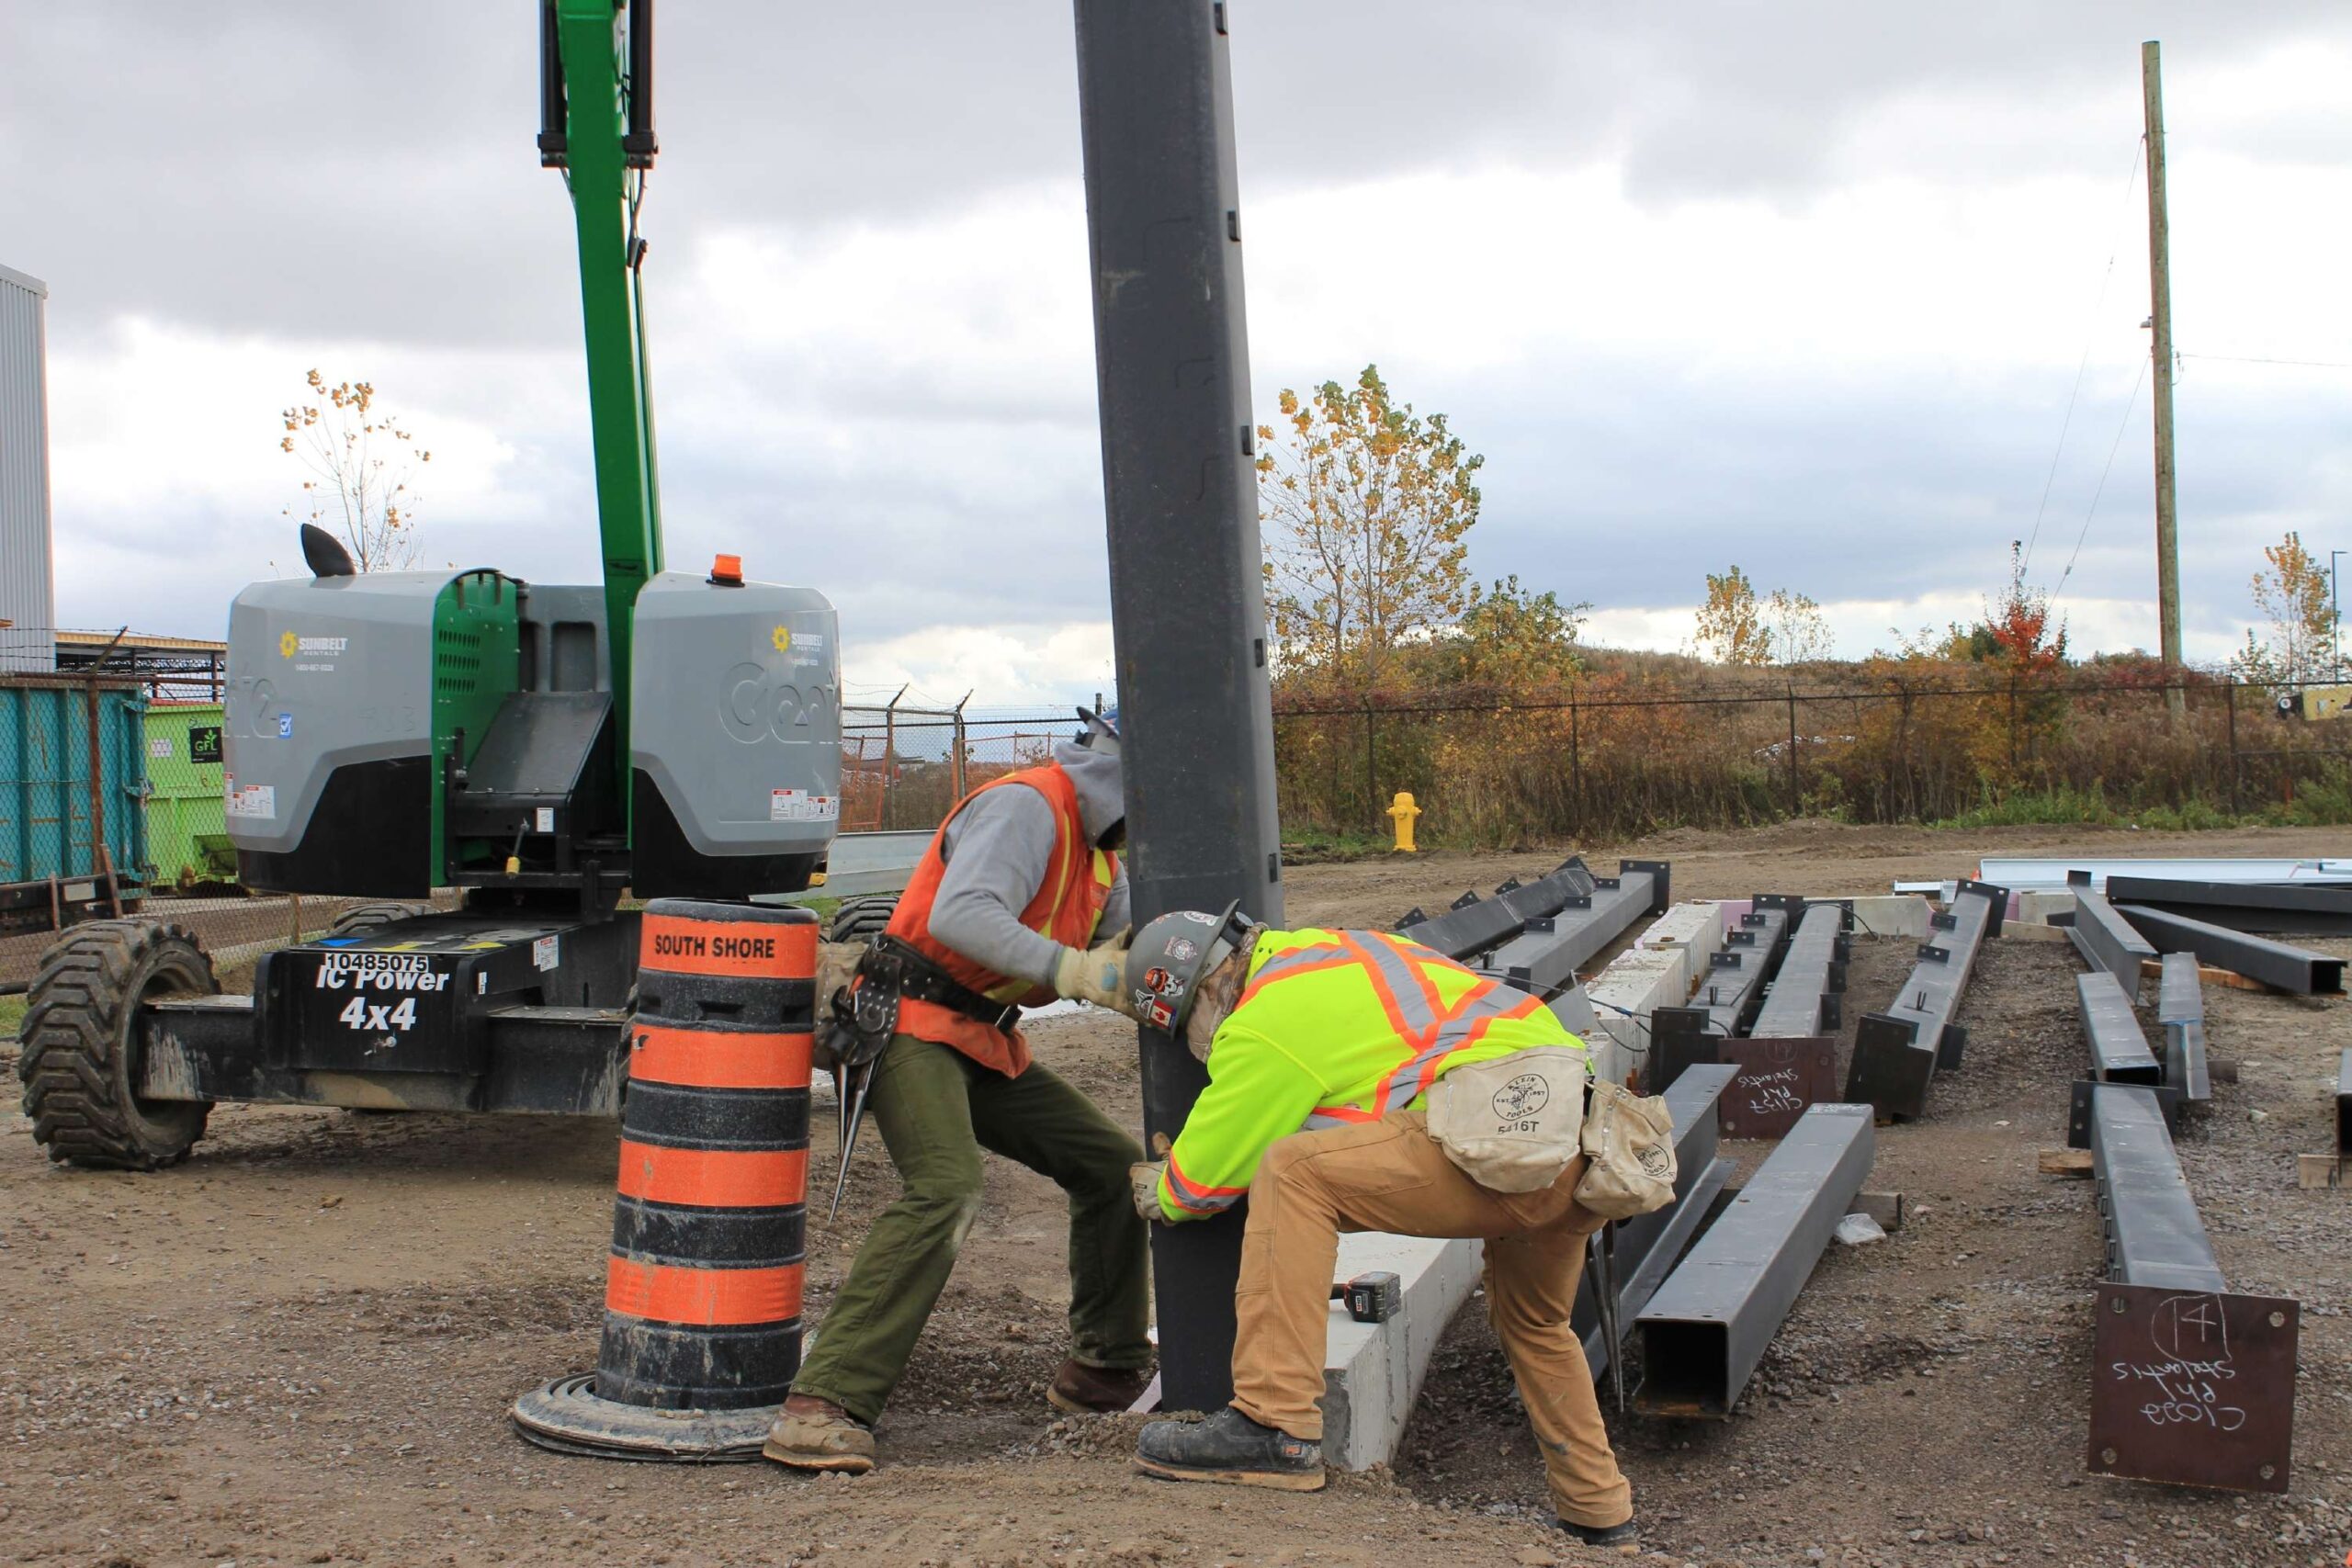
[[1476, 925], [1706, 1328], [2297, 969], [2180, 1009], [1648, 1246], [2191, 1384], [2120, 1052], [2024, 874], [1546, 954], [1804, 998], [1180, 487], [2107, 941], [2344, 1107], [1898, 1050], [2295, 909], [1728, 995]]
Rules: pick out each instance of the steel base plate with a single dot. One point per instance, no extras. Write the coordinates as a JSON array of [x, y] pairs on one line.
[[568, 1416], [2194, 1389], [1778, 1080]]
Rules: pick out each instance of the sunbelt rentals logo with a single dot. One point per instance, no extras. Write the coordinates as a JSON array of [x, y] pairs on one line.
[[289, 645]]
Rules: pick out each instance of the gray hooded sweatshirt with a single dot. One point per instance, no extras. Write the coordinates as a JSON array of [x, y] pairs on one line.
[[999, 849]]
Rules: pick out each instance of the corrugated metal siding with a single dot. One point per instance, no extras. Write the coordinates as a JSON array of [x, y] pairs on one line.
[[27, 592]]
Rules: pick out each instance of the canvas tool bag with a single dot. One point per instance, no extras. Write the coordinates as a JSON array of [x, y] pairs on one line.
[[1629, 1153], [1511, 1123]]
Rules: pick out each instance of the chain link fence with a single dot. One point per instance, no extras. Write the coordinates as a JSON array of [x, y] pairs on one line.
[[1614, 764]]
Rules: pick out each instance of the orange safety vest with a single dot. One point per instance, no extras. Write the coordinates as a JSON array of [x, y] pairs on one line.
[[1067, 908]]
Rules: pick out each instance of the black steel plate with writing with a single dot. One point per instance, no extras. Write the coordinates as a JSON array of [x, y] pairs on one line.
[[1777, 1079], [2194, 1389]]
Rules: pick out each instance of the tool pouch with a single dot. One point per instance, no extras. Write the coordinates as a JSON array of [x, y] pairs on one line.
[[861, 1017], [1629, 1153], [1512, 1124]]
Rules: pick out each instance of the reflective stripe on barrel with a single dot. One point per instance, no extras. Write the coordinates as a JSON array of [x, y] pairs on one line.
[[702, 1298]]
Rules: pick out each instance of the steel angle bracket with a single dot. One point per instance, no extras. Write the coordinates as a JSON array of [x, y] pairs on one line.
[[1890, 1071], [1704, 1331], [2193, 1388]]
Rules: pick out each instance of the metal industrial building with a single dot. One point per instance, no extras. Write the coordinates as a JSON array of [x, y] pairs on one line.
[[28, 589]]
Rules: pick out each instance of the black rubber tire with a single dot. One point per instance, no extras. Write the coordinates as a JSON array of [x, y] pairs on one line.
[[79, 1055], [861, 919], [368, 917]]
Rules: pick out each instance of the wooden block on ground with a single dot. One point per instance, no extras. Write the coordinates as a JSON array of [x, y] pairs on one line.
[[2154, 969], [2320, 1173], [2065, 1162]]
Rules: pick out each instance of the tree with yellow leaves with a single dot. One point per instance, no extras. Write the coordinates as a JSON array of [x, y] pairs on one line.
[[1366, 506], [362, 464]]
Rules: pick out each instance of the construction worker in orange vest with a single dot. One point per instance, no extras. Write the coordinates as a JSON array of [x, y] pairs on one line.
[[1323, 1048], [1020, 898]]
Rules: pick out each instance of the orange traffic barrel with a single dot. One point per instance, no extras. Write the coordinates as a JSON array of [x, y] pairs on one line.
[[703, 1286]]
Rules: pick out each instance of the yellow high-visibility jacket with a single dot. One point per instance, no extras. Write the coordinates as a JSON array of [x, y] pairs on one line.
[[1335, 1027]]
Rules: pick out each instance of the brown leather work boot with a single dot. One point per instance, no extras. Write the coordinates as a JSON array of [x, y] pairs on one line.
[[1096, 1390], [816, 1434]]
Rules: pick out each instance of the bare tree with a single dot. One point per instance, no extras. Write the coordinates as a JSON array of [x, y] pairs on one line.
[[362, 462]]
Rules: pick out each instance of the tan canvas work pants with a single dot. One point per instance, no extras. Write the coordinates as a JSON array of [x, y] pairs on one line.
[[1391, 1176]]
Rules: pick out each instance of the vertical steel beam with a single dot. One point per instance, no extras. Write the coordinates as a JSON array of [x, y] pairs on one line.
[[1163, 216]]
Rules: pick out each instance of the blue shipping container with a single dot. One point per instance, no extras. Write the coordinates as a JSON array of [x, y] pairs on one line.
[[60, 795]]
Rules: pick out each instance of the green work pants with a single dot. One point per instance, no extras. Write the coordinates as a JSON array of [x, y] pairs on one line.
[[937, 1109]]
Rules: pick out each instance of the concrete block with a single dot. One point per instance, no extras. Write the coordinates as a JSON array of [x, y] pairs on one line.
[[2035, 906], [1897, 914], [1696, 926], [1373, 1371], [1636, 983]]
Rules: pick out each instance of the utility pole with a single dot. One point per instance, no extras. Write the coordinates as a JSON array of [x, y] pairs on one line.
[[1188, 611], [2160, 319]]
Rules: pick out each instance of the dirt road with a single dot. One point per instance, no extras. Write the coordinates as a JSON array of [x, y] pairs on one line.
[[299, 1346]]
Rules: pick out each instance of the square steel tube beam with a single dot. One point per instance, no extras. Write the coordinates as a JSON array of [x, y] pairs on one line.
[[1180, 490], [2120, 1052], [2180, 1009], [2154, 1233], [1648, 1246], [1802, 1000], [1898, 1049], [2316, 909], [1547, 953], [1707, 1327], [2344, 1107], [2107, 941], [1478, 925], [2297, 969], [1732, 987]]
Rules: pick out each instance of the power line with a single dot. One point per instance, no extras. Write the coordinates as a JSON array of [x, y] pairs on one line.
[[2131, 179], [2125, 423]]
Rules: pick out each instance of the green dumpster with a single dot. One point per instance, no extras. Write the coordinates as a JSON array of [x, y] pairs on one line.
[[187, 837]]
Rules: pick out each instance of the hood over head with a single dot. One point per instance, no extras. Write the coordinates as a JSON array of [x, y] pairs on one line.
[[1102, 787]]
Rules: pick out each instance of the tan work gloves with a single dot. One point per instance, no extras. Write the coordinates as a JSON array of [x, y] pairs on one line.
[[1099, 974], [1143, 1183]]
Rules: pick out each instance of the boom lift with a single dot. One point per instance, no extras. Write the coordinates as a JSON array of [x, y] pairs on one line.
[[541, 749]]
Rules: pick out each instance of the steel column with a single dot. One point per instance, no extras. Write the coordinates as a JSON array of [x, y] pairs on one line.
[[1727, 995], [1707, 1327], [1897, 1050], [2344, 1107], [2298, 908], [1549, 950], [1187, 591], [2105, 939], [1805, 995], [2180, 1009], [1649, 1245], [2297, 969], [2120, 1052], [1475, 925]]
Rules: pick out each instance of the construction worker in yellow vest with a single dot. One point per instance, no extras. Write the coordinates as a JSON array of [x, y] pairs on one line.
[[1322, 1047]]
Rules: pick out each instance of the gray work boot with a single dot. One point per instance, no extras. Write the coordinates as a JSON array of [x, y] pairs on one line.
[[816, 1434], [1231, 1447]]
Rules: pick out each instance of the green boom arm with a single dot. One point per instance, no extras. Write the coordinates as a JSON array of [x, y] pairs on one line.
[[597, 124]]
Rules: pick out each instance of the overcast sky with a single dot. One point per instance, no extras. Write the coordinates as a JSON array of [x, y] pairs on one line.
[[1802, 287]]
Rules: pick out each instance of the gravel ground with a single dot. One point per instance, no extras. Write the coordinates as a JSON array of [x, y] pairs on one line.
[[298, 1347]]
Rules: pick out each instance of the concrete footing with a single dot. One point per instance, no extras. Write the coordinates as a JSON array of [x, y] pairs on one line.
[[1373, 1371]]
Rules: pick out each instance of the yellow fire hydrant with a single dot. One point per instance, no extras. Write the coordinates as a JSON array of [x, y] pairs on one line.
[[1402, 812]]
